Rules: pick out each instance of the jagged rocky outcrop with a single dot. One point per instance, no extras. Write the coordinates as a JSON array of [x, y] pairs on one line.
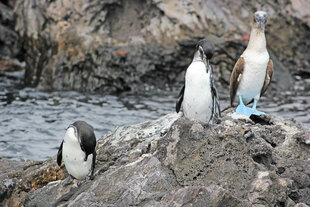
[[174, 161], [116, 45], [10, 47]]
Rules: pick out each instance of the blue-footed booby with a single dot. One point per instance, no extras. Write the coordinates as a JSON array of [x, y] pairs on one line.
[[77, 150], [253, 71], [199, 95]]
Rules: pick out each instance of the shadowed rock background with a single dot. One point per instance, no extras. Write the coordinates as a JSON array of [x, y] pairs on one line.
[[114, 45]]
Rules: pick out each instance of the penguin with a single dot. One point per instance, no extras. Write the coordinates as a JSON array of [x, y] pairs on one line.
[[77, 150], [198, 96], [253, 71]]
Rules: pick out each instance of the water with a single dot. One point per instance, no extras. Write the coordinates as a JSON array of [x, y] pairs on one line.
[[32, 123]]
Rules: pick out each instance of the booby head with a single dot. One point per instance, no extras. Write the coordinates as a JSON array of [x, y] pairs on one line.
[[260, 18], [205, 51]]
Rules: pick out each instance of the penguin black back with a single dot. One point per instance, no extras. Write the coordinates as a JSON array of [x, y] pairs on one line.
[[208, 48], [86, 135]]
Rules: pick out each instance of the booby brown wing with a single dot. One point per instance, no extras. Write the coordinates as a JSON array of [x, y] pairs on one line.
[[235, 78], [268, 77]]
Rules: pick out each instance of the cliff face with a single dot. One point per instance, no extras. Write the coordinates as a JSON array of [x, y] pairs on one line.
[[116, 45], [10, 47], [173, 161]]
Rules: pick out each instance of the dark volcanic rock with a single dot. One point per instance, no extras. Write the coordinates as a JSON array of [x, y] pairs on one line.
[[174, 161], [116, 45], [10, 47]]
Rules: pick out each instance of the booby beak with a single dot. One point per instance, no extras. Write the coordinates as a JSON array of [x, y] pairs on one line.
[[260, 18]]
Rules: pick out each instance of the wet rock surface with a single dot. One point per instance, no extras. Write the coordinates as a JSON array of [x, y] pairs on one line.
[[174, 161], [114, 45]]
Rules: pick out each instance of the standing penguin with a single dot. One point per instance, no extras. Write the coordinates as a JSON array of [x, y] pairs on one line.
[[199, 95], [253, 71], [78, 150]]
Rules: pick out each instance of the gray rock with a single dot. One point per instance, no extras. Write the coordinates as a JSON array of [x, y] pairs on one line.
[[174, 161], [212, 195], [10, 47], [301, 205], [114, 45]]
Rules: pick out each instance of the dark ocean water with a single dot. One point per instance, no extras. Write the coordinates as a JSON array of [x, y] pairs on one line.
[[32, 123]]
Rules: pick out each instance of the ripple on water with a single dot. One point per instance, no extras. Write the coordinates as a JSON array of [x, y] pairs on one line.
[[32, 123]]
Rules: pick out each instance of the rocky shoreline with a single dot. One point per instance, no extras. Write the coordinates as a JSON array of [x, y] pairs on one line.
[[173, 161]]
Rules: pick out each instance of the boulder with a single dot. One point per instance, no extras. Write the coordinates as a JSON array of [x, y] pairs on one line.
[[114, 45], [174, 161]]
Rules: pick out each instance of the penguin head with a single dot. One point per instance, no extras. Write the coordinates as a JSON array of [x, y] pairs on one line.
[[205, 51], [260, 18], [206, 48]]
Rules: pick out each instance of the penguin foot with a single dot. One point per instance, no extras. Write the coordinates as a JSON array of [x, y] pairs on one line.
[[67, 181], [242, 109]]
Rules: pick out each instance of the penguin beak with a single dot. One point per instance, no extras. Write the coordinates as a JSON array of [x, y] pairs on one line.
[[207, 66], [201, 53], [204, 58]]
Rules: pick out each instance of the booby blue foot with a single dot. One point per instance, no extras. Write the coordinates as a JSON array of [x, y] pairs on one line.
[[256, 112], [242, 109]]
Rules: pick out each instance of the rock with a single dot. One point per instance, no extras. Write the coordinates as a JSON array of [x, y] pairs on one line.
[[173, 161], [113, 45], [301, 205], [10, 46], [17, 178], [212, 195]]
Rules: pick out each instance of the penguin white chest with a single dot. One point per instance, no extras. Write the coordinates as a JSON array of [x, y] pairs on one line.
[[73, 156], [253, 76], [198, 102]]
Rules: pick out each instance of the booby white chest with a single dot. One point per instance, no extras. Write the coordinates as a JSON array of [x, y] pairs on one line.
[[73, 156], [197, 103], [253, 77]]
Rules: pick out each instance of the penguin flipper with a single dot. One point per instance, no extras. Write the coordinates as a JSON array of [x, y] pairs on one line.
[[217, 107], [180, 99], [93, 165], [59, 154], [216, 100], [216, 103]]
